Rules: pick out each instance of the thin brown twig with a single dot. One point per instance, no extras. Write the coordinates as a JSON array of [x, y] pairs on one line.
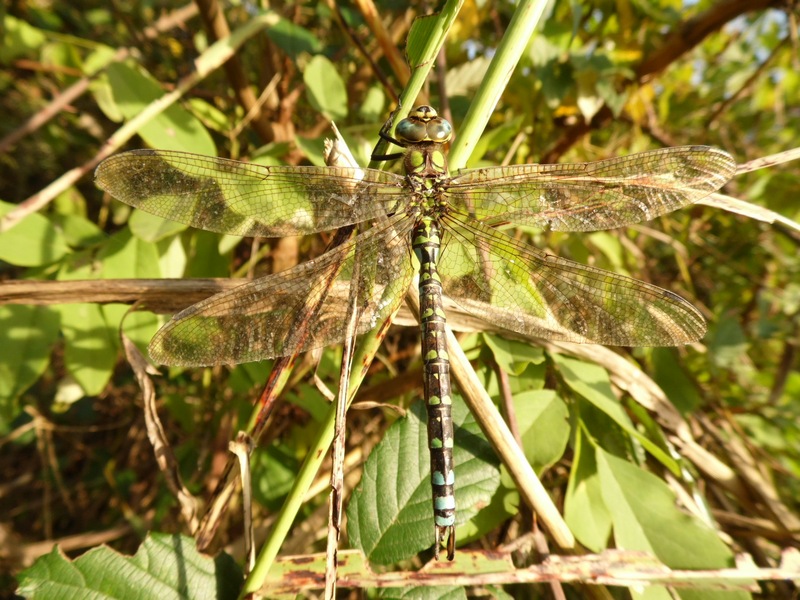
[[763, 67], [610, 567], [390, 51], [217, 28], [76, 90], [158, 295], [336, 9], [691, 32], [681, 40], [165, 457], [213, 57]]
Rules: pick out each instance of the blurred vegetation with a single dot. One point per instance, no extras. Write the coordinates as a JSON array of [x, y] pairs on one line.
[[599, 79]]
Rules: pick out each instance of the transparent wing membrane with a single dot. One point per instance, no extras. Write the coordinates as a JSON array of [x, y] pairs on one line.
[[523, 289], [487, 273], [592, 196], [247, 199], [296, 310]]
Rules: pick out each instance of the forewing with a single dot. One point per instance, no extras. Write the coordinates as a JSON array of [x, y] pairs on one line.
[[528, 291], [246, 199], [295, 310], [592, 196]]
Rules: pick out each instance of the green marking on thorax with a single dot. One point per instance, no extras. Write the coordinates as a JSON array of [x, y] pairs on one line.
[[416, 160], [438, 161]]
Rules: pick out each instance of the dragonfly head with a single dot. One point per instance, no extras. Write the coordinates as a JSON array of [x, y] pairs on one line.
[[424, 125]]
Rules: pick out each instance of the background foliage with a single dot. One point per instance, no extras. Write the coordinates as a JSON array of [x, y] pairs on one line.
[[599, 79]]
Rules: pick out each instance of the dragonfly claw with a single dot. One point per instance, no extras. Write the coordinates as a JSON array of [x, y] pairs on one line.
[[448, 532]]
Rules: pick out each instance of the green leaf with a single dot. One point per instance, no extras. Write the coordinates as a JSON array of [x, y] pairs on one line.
[[390, 515], [128, 257], [325, 89], [513, 356], [32, 242], [293, 39], [164, 567], [97, 58], [373, 105], [140, 326], [543, 421], [210, 115], [91, 346], [78, 231], [206, 259], [645, 517], [727, 343], [60, 54], [313, 148], [29, 333], [465, 78], [670, 377], [175, 128], [274, 470], [503, 506], [496, 138], [19, 39], [584, 509], [172, 261], [592, 383], [91, 332], [151, 228], [423, 29], [101, 86], [611, 248]]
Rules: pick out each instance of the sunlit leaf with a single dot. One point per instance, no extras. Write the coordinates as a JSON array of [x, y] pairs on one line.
[[591, 382], [584, 508], [512, 356], [645, 517], [390, 515], [543, 422], [326, 90], [91, 345], [29, 333], [164, 567], [19, 38], [173, 129], [31, 242]]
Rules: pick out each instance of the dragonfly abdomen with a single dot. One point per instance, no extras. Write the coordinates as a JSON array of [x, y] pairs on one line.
[[427, 243]]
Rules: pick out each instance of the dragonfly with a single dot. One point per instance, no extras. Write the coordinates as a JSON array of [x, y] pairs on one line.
[[445, 229]]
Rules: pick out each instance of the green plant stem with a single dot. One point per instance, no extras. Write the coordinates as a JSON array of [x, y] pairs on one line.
[[511, 47]]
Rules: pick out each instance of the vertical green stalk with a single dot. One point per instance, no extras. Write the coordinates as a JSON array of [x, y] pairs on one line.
[[519, 32], [422, 56]]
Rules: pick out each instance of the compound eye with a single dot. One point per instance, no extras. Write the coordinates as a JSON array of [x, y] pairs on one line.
[[411, 131], [439, 130]]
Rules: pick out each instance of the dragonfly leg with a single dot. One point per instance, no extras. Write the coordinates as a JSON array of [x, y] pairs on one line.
[[381, 157], [384, 135], [394, 155], [442, 534]]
